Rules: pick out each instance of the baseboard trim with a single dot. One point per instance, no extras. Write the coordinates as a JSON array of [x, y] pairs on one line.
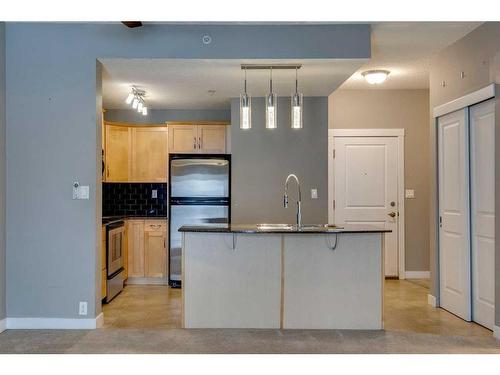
[[146, 281], [3, 325], [496, 332], [417, 274], [54, 323], [431, 300]]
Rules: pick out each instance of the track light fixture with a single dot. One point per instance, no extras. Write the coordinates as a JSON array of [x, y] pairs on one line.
[[136, 100]]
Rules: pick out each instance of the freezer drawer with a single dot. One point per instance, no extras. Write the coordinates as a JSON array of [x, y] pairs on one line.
[[192, 215]]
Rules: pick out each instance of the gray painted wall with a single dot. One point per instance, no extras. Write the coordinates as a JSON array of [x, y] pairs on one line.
[[407, 109], [2, 171], [262, 159], [52, 138], [159, 116], [477, 56]]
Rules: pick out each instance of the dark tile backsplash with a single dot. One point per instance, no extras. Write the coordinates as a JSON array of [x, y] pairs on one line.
[[134, 199]]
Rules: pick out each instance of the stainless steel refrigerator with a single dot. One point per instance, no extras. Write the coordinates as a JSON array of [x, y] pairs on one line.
[[199, 193]]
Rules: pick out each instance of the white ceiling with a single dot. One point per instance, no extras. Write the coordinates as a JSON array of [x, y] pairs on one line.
[[185, 84], [405, 48]]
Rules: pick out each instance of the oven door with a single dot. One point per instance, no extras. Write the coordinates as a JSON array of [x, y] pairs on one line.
[[115, 249]]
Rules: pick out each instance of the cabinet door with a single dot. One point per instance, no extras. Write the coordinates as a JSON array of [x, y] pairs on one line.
[[155, 254], [182, 138], [135, 248], [149, 154], [212, 139], [117, 153]]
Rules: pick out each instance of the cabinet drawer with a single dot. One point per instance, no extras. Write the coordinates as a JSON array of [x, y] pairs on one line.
[[155, 225]]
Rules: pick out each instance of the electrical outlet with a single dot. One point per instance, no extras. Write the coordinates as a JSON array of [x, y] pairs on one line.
[[82, 309], [154, 193], [314, 193], [409, 193]]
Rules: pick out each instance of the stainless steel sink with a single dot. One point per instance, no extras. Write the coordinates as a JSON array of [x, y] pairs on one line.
[[319, 226], [275, 226]]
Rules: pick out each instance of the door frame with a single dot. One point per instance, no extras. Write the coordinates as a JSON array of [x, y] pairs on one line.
[[399, 134]]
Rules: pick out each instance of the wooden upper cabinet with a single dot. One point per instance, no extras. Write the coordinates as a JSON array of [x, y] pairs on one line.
[[197, 138], [117, 153], [212, 139], [149, 154], [182, 139]]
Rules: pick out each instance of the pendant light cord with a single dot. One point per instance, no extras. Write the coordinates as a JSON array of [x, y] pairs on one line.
[[271, 81], [296, 81], [245, 80]]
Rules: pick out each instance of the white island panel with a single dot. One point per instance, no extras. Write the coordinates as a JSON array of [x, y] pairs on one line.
[[333, 289], [231, 288]]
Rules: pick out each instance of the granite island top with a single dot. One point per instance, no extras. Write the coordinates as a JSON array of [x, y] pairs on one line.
[[282, 228]]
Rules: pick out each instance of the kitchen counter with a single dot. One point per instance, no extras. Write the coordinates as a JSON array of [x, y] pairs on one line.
[[281, 228], [278, 276]]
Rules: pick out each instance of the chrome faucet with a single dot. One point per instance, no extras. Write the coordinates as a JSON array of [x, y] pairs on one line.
[[299, 198]]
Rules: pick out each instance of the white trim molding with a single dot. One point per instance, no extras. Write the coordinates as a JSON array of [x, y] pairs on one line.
[[54, 323], [418, 274], [366, 132], [431, 300], [3, 325], [496, 332], [400, 134], [465, 101]]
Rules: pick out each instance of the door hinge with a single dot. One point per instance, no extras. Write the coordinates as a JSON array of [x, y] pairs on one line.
[[334, 204], [440, 221], [334, 153]]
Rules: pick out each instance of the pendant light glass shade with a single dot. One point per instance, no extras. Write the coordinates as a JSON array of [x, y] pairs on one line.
[[271, 106], [297, 106], [139, 107], [271, 111], [245, 111], [245, 108], [135, 103], [144, 111]]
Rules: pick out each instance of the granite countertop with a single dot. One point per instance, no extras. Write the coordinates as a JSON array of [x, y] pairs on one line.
[[273, 228], [113, 219]]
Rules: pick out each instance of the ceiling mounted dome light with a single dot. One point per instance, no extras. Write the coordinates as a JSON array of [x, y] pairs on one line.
[[375, 77]]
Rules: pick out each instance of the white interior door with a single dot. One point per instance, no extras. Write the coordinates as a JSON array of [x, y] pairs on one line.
[[482, 144], [454, 240], [366, 188]]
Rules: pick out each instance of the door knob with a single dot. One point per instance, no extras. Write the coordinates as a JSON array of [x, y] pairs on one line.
[[392, 214]]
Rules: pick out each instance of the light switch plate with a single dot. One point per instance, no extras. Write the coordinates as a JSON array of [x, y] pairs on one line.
[[154, 193], [409, 193], [314, 193]]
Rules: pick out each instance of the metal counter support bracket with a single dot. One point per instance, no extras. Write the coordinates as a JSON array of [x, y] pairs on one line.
[[329, 244]]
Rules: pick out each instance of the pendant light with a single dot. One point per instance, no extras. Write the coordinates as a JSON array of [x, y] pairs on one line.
[[297, 105], [245, 108], [271, 105]]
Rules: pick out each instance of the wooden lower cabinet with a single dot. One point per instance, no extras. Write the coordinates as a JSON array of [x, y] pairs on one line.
[[147, 250]]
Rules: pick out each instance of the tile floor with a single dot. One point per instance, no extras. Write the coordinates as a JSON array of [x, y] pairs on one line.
[[146, 320]]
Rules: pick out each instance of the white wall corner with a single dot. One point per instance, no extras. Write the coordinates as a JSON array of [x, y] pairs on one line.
[[3, 325], [54, 323], [431, 300], [496, 332], [417, 274]]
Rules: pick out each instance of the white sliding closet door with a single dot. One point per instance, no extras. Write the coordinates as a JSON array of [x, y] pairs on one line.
[[482, 144], [454, 210]]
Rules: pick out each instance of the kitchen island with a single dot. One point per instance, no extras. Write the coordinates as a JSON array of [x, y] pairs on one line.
[[282, 276]]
